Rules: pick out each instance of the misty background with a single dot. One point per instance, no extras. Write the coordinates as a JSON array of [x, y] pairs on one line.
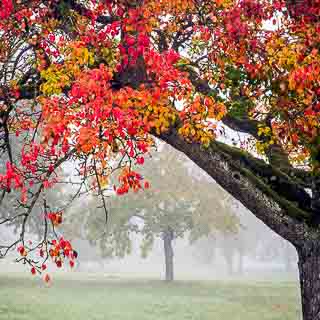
[[212, 235]]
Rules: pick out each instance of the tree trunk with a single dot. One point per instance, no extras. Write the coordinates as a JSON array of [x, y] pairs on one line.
[[228, 255], [309, 272], [287, 263], [168, 253], [213, 254], [240, 266]]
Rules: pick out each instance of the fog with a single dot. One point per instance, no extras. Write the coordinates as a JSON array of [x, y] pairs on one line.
[[208, 258], [214, 236], [180, 249]]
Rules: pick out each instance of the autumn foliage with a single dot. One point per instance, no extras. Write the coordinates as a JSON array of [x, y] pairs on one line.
[[94, 81]]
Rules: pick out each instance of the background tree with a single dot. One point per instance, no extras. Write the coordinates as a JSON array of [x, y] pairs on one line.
[[174, 205], [283, 253], [234, 245]]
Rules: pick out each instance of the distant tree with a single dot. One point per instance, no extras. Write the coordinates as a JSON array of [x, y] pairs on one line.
[[175, 205], [250, 239], [273, 248]]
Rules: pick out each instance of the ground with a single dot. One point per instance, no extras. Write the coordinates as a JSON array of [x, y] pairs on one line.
[[92, 297]]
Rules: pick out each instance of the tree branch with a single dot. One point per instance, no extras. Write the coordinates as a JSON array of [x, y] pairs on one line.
[[281, 215]]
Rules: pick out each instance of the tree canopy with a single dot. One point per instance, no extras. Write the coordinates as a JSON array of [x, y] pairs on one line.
[[94, 81]]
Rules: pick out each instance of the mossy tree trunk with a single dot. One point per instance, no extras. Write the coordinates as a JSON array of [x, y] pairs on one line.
[[309, 271]]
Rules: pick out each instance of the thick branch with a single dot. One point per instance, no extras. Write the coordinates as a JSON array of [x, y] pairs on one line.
[[275, 153], [281, 215], [82, 10], [241, 125]]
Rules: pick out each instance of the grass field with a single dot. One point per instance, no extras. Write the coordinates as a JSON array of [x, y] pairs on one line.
[[92, 298]]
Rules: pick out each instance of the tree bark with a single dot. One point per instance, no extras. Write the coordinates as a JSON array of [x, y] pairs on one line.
[[309, 272], [168, 253], [218, 161]]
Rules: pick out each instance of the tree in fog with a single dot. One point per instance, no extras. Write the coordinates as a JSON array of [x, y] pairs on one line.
[[175, 205], [271, 248], [233, 245]]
